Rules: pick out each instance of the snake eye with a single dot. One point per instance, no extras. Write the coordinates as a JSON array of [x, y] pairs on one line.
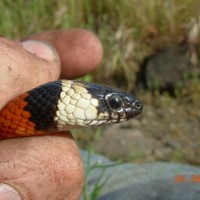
[[115, 101]]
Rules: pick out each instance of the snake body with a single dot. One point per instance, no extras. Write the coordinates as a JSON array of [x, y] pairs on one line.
[[63, 105]]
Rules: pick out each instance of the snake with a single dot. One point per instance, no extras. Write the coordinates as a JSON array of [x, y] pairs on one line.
[[64, 105]]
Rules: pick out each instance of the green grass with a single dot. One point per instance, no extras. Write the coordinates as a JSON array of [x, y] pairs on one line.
[[129, 30], [101, 180]]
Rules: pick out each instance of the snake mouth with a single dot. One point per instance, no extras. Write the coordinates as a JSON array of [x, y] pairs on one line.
[[124, 113], [134, 109]]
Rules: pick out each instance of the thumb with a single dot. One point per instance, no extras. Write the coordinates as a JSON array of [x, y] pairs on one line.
[[8, 193]]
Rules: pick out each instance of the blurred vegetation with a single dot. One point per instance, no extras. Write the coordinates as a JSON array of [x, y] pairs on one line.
[[129, 30]]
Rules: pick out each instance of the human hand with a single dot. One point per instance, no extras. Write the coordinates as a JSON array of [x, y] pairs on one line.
[[46, 167]]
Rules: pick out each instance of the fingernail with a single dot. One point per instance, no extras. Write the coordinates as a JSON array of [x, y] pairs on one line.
[[8, 193], [41, 49]]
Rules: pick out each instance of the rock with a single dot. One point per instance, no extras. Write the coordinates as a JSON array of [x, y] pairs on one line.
[[167, 69], [152, 181], [125, 142]]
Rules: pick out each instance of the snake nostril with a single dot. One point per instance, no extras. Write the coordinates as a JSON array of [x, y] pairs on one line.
[[138, 105]]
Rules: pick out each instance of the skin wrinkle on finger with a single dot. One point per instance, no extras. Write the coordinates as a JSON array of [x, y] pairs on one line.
[[59, 173]]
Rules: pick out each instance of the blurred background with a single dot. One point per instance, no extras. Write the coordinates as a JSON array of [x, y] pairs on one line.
[[151, 48]]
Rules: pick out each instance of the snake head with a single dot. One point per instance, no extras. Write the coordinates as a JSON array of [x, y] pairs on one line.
[[122, 104], [114, 105], [85, 104]]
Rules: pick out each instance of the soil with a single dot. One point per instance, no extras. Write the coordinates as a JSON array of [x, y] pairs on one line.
[[159, 134]]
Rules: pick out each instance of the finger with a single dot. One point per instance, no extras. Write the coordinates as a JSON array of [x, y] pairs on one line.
[[42, 167], [22, 70], [80, 51]]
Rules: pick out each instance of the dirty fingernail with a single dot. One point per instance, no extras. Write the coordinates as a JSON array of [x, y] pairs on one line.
[[8, 193], [41, 49]]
